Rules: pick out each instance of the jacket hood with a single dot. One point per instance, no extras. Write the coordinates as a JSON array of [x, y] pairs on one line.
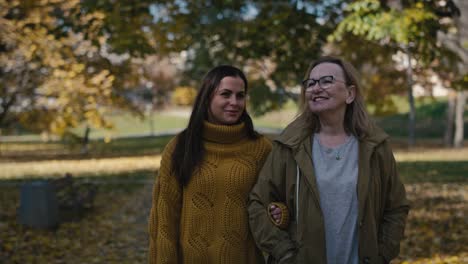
[[296, 132]]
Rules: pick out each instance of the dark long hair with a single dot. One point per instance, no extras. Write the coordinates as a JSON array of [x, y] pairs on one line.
[[189, 150], [356, 121]]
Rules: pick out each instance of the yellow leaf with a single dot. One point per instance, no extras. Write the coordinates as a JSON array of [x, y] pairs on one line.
[[78, 68]]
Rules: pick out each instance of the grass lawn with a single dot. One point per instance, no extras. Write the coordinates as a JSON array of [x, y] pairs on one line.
[[168, 121], [430, 119], [126, 124], [433, 164], [122, 147], [36, 159], [116, 229]]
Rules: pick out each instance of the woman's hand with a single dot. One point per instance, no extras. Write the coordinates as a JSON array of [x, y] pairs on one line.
[[275, 213], [279, 214]]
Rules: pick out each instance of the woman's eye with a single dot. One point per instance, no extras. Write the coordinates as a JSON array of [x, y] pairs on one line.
[[240, 96]]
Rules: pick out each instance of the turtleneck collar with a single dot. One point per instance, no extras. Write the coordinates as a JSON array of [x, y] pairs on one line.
[[223, 134]]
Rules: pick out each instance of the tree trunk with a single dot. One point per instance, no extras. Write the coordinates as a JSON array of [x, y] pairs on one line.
[[462, 37], [150, 117], [454, 41], [459, 122], [397, 4], [7, 103], [451, 102], [412, 111], [85, 142]]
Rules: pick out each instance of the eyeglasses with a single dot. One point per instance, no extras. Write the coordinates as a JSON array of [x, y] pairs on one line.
[[324, 82]]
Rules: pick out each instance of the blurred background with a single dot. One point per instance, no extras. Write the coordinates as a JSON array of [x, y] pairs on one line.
[[91, 91]]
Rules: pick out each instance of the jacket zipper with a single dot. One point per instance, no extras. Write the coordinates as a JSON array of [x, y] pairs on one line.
[[298, 176]]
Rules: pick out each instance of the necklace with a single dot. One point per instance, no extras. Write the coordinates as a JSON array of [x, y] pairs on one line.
[[337, 151], [340, 149], [337, 156]]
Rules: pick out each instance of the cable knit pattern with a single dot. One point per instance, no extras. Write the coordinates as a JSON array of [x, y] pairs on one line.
[[207, 221]]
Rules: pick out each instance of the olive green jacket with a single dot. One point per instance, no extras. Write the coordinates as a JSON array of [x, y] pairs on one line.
[[288, 177]]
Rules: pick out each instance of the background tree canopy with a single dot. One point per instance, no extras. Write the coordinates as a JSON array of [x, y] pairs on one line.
[[59, 65], [274, 41], [68, 62]]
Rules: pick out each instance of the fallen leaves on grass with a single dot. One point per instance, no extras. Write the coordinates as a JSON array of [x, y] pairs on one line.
[[436, 230], [116, 231]]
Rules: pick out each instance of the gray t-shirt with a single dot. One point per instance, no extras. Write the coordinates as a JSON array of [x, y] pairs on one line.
[[336, 172]]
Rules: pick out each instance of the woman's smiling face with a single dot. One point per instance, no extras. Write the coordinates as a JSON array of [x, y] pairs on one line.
[[227, 102], [337, 94]]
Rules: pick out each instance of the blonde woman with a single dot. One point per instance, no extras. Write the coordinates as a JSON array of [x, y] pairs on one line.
[[334, 175]]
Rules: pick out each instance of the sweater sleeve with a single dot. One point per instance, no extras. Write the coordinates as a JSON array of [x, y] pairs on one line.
[[395, 211], [269, 188], [165, 213]]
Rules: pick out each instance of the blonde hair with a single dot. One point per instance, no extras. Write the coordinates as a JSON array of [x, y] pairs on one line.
[[356, 121]]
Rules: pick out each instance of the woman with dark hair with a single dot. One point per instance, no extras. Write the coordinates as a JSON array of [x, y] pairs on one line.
[[333, 173], [199, 211]]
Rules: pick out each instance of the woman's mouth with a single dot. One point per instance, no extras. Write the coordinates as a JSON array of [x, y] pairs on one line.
[[319, 98], [232, 112]]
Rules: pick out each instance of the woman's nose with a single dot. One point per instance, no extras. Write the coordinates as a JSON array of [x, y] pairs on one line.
[[233, 100], [314, 88]]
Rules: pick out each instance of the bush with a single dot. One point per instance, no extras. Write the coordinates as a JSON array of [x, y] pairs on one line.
[[184, 96]]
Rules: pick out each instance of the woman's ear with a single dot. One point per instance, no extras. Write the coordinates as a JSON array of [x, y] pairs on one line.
[[351, 94]]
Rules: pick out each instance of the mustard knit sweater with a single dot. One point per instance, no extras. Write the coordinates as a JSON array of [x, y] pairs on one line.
[[206, 221]]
